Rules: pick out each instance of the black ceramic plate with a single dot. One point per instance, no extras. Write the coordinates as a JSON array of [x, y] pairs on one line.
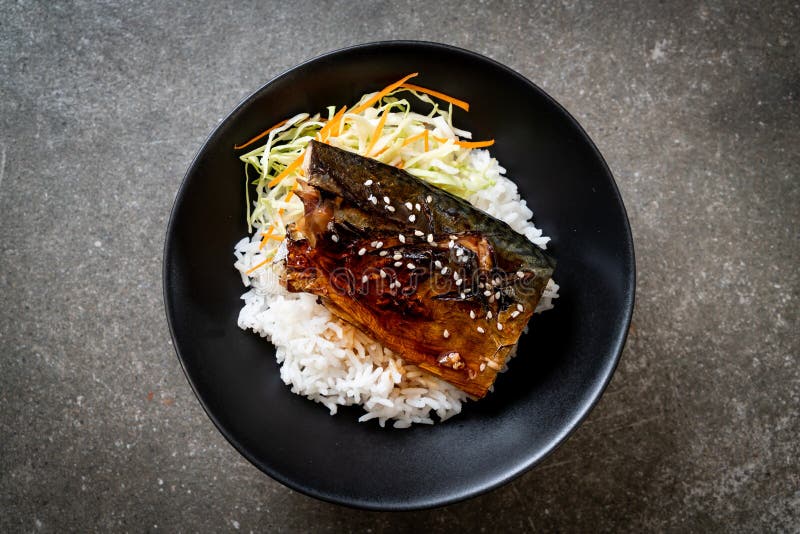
[[563, 364]]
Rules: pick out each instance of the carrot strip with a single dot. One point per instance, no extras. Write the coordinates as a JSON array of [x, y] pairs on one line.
[[456, 102], [376, 133], [475, 144], [323, 134], [399, 165], [381, 151], [383, 92], [339, 125], [413, 138], [265, 237], [275, 237], [290, 193], [336, 124], [288, 170], [466, 144], [254, 267], [426, 141], [262, 134]]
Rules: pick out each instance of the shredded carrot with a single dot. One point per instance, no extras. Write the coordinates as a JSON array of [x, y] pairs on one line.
[[475, 144], [290, 193], [399, 165], [254, 267], [376, 133], [324, 133], [423, 134], [337, 122], [383, 92], [275, 237], [338, 126], [265, 237], [381, 151], [288, 170], [262, 134], [456, 102], [466, 144]]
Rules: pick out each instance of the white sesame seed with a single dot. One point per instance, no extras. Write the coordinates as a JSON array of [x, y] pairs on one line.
[[417, 206], [495, 282], [412, 218], [459, 252], [430, 238], [481, 330], [383, 273], [384, 253], [362, 251], [453, 238], [335, 238], [402, 238], [468, 290], [520, 274], [418, 233], [450, 244], [368, 183], [482, 367], [364, 279], [499, 326], [411, 266], [520, 308], [444, 270], [438, 264], [493, 364], [397, 256], [446, 334], [379, 244], [489, 315], [386, 200], [472, 314], [458, 282], [398, 264], [390, 208], [373, 199], [429, 199], [456, 276], [497, 295], [514, 314], [463, 295], [373, 243], [408, 205], [487, 293]]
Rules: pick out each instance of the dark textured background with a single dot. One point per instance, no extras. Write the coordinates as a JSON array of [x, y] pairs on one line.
[[693, 104]]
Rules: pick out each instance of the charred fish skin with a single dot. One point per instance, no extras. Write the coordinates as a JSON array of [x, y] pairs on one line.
[[346, 175], [436, 280]]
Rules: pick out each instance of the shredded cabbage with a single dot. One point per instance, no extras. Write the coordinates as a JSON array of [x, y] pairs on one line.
[[426, 146]]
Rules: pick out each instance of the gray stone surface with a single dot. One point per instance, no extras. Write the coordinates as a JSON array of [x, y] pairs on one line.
[[695, 107]]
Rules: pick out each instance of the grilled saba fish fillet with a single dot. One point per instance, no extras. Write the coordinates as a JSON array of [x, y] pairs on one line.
[[445, 285]]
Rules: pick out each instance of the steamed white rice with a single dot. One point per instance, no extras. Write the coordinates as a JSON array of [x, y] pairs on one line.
[[331, 362]]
